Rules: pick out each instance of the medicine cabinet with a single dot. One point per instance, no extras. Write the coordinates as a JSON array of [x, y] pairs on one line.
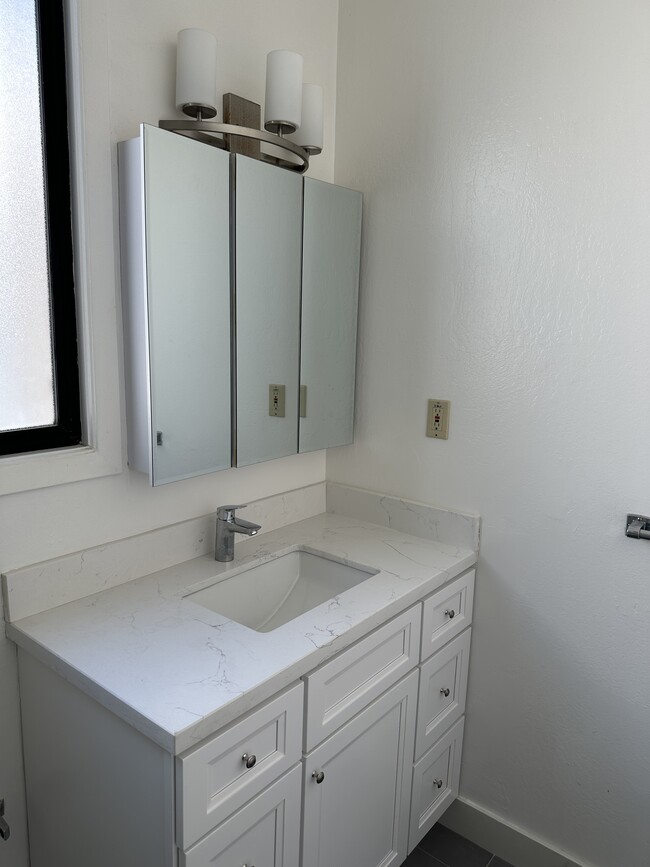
[[240, 284]]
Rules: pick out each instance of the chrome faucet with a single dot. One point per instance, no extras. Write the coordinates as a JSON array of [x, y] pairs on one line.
[[227, 525]]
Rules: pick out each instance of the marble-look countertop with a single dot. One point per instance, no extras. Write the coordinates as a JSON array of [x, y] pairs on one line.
[[178, 672]]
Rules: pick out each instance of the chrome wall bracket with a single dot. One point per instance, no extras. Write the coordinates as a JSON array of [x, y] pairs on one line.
[[638, 527]]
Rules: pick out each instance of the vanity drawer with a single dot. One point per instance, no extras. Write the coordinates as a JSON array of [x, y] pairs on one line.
[[443, 689], [341, 688], [447, 613], [213, 780], [435, 782], [266, 832]]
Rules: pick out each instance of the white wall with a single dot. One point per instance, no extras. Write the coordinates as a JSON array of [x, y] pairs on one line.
[[128, 57], [502, 146]]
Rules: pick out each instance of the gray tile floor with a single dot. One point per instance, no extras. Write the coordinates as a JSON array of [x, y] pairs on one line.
[[443, 848]]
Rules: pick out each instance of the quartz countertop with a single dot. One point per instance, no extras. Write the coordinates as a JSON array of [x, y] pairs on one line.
[[178, 672]]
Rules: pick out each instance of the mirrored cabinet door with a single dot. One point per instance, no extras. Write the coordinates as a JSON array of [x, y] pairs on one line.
[[177, 304], [267, 243], [330, 288]]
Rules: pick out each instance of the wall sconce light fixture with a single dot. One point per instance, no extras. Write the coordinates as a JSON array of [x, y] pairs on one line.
[[291, 108]]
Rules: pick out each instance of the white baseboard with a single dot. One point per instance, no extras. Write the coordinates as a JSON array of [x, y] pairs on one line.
[[508, 842]]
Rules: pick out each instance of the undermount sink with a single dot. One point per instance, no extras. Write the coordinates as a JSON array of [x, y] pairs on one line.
[[271, 594]]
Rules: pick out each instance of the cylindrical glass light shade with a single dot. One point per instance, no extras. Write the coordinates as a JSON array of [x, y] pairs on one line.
[[310, 134], [196, 73], [283, 103]]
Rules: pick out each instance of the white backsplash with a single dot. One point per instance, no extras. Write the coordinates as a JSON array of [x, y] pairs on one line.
[[428, 522]]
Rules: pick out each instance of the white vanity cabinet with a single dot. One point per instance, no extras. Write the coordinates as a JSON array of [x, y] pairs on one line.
[[350, 765], [446, 636]]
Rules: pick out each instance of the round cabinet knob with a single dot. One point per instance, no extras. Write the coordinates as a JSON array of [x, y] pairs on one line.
[[444, 692], [450, 613], [319, 776], [249, 761], [438, 783]]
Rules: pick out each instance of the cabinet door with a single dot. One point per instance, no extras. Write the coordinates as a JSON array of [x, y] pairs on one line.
[[435, 782], [358, 814], [266, 832], [187, 262], [330, 288], [268, 213]]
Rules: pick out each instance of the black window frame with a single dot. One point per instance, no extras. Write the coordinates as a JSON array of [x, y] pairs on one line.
[[67, 430]]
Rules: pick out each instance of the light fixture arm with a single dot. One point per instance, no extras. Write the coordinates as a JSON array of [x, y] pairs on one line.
[[225, 135], [206, 131]]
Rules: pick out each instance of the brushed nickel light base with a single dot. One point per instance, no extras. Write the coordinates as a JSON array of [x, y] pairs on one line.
[[229, 136], [199, 111]]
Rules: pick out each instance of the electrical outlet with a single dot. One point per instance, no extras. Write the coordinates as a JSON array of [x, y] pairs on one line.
[[438, 419], [276, 401]]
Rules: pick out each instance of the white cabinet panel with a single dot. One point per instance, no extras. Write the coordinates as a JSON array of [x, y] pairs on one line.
[[358, 814], [443, 689], [435, 782], [264, 833], [346, 684], [214, 780], [447, 613]]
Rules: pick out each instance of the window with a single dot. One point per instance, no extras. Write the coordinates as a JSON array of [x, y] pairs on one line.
[[39, 377]]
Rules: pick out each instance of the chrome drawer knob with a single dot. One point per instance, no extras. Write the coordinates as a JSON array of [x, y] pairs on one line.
[[319, 776], [450, 613], [438, 783], [249, 761], [444, 692]]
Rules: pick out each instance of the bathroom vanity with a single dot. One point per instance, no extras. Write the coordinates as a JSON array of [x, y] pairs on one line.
[[159, 731]]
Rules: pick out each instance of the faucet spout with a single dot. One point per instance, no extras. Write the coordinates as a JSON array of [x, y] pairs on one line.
[[248, 528], [228, 523]]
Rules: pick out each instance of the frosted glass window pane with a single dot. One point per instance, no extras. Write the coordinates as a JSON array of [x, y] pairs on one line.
[[26, 376]]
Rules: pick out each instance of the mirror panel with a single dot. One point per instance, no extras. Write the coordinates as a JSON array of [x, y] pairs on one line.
[[187, 238], [268, 217], [330, 288]]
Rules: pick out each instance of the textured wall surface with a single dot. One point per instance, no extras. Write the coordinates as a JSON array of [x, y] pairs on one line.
[[502, 146], [128, 66]]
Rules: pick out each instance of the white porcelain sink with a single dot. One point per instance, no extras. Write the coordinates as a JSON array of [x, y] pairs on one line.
[[273, 593]]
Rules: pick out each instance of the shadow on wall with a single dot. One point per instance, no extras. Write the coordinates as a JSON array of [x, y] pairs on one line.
[[534, 667]]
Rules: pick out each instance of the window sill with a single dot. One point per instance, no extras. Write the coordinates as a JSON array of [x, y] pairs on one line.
[[57, 467]]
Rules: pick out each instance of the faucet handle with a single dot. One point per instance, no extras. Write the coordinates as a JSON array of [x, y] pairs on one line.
[[227, 513]]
